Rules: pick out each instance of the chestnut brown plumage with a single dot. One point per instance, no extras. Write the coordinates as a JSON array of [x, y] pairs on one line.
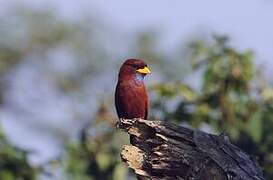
[[131, 98]]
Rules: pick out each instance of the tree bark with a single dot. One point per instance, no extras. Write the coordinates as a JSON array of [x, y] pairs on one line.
[[161, 150]]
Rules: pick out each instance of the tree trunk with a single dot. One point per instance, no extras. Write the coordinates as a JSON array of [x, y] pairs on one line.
[[161, 150]]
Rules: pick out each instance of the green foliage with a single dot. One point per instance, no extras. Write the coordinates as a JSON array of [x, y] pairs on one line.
[[41, 33], [13, 162], [97, 156], [226, 101]]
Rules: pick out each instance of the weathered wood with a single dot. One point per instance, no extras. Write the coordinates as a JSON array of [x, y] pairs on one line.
[[162, 150]]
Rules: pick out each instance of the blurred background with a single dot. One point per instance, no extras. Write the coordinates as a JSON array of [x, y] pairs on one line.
[[211, 67]]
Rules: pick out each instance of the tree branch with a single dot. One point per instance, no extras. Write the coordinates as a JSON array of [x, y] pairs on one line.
[[161, 150]]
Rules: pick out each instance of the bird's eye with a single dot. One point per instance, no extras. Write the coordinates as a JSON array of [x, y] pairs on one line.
[[140, 67]]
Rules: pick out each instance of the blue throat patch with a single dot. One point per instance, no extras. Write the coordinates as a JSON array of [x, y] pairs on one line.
[[139, 77]]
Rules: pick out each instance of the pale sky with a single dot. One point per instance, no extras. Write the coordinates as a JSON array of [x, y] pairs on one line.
[[248, 22]]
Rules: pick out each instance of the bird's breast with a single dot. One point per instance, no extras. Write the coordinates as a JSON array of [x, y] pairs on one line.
[[131, 100]]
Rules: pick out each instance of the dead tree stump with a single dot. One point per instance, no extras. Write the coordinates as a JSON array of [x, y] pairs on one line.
[[162, 150]]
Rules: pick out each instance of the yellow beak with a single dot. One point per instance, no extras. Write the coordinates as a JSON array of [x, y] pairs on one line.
[[144, 70]]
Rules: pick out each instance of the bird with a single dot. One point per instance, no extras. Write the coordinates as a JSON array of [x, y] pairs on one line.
[[131, 97]]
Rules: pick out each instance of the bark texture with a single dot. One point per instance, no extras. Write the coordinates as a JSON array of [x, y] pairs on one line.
[[161, 150]]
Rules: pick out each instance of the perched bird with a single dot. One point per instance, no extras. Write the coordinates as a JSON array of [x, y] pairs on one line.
[[131, 98]]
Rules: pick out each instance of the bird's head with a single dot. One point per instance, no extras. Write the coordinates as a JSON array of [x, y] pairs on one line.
[[134, 68]]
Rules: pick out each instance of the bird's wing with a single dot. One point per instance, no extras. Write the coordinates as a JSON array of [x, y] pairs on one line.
[[146, 109]]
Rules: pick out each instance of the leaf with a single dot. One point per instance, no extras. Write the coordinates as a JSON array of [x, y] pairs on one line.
[[254, 127], [103, 160], [120, 172]]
